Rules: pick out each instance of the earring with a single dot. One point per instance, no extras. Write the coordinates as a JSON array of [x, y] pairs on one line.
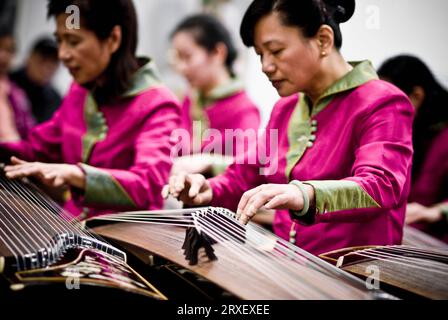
[[323, 53]]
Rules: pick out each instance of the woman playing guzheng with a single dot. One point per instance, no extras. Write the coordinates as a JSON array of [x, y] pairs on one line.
[[344, 149], [110, 139], [204, 54]]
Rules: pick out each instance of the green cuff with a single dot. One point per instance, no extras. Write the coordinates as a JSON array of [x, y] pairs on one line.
[[102, 189], [306, 199], [444, 209], [332, 196]]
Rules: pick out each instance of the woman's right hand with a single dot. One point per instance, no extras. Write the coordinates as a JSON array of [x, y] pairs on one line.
[[191, 189]]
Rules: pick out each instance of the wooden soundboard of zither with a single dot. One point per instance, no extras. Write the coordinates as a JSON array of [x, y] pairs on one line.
[[235, 271], [416, 238], [232, 273], [396, 272]]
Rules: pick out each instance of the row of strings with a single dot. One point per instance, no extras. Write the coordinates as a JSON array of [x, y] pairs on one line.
[[416, 238], [295, 271], [30, 220], [33, 224], [274, 256], [421, 271], [434, 261]]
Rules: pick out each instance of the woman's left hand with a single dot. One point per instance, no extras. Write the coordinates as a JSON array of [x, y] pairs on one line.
[[271, 196], [50, 174]]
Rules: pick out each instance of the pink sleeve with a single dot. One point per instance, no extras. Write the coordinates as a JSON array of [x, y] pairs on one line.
[[140, 186], [243, 175], [248, 171], [43, 143], [384, 157], [229, 187]]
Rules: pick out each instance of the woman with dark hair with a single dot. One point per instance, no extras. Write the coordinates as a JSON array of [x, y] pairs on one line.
[[110, 139], [204, 55], [429, 194], [344, 137]]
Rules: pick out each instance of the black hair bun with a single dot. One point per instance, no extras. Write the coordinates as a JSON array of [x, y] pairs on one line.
[[341, 10]]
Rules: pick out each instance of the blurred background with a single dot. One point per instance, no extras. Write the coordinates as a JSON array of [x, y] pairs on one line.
[[378, 30]]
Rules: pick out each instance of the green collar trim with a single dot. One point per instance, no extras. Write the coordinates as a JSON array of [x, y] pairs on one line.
[[299, 134], [221, 92], [145, 78], [301, 131], [362, 73], [96, 127]]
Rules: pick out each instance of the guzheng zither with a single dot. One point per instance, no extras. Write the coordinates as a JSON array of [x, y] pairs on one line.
[[41, 247]]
